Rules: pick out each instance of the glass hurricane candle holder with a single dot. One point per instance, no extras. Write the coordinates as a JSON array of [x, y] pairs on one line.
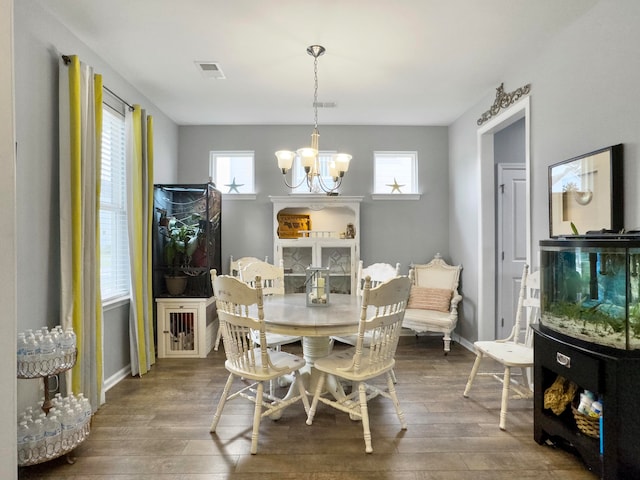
[[317, 286]]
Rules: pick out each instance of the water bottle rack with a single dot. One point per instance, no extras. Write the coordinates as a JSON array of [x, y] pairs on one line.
[[54, 448], [67, 441], [46, 367]]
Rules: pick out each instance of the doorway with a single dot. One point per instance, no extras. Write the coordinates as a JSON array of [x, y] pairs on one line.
[[487, 273], [511, 252]]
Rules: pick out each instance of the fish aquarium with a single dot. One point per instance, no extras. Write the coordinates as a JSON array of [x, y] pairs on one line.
[[590, 289]]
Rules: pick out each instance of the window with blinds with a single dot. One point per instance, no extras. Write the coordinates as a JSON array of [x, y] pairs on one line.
[[114, 243], [298, 174]]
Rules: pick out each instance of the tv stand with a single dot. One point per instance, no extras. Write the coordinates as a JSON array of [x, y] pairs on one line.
[[612, 374]]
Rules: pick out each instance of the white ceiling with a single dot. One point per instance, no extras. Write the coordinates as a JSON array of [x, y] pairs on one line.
[[388, 62]]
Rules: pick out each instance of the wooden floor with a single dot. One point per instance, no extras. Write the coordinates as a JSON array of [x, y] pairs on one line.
[[157, 427]]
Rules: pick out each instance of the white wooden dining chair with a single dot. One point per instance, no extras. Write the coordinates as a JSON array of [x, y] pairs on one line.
[[252, 363], [234, 265], [234, 271], [361, 364], [378, 272], [512, 352], [272, 283]]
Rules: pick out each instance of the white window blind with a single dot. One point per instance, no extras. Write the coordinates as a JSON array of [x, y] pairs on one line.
[[114, 243]]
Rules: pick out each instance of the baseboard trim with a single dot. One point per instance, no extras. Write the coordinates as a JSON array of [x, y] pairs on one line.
[[114, 379], [463, 342], [454, 338]]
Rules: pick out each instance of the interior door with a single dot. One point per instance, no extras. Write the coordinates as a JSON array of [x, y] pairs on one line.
[[511, 243]]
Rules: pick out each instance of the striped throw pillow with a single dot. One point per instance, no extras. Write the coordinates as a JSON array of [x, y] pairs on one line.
[[430, 298]]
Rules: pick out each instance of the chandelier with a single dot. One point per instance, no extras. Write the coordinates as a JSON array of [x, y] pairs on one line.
[[308, 156]]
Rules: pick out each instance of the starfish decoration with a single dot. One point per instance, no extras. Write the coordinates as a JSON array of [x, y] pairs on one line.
[[233, 186], [394, 186]]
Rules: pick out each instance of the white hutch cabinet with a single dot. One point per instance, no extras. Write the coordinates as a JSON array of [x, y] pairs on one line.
[[314, 230]]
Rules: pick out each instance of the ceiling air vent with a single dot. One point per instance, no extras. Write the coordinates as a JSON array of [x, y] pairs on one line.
[[325, 104], [211, 70]]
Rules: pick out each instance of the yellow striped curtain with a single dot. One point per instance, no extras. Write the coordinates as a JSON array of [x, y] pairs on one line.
[[140, 207], [80, 123]]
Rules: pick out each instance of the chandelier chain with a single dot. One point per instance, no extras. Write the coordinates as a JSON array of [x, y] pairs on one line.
[[315, 93]]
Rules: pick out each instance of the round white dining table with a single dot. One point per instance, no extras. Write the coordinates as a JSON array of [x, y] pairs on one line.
[[290, 315]]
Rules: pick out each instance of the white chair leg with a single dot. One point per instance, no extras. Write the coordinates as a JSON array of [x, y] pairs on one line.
[[447, 343], [472, 375], [221, 403], [505, 397], [303, 393], [396, 402], [218, 338], [257, 414], [362, 393], [316, 395]]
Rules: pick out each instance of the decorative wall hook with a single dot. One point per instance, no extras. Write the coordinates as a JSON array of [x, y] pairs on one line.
[[504, 100]]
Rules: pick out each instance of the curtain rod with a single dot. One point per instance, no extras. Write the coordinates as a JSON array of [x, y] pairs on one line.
[[67, 60]]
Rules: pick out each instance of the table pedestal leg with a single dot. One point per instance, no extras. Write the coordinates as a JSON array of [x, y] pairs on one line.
[[312, 349]]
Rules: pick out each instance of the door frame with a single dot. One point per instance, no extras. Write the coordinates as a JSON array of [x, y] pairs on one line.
[[487, 211]]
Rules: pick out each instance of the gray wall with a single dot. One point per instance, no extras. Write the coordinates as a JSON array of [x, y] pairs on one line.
[[509, 143], [39, 41], [392, 231], [584, 96]]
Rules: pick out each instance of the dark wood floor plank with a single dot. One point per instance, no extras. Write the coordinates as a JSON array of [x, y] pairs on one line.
[[157, 428]]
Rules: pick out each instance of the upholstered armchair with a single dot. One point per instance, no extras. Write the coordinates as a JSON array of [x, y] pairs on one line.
[[434, 298]]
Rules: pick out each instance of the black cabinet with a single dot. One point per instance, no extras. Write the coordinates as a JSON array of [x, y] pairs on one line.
[[186, 242], [612, 374]]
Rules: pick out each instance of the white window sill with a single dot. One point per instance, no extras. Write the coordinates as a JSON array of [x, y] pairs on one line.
[[114, 303], [395, 196], [238, 196]]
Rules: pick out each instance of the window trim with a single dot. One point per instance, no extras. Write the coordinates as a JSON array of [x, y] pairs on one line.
[[232, 153], [415, 193]]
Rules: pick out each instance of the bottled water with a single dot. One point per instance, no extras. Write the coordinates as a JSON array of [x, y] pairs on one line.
[[57, 334], [32, 349], [24, 434], [86, 406], [47, 351], [68, 342], [79, 417], [56, 337], [21, 347], [28, 414], [67, 424], [24, 441], [37, 436], [52, 433]]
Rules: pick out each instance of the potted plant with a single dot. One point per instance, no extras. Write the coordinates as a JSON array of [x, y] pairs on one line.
[[181, 242]]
